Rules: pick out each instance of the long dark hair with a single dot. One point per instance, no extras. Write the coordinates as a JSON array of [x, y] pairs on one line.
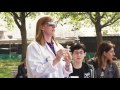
[[105, 46]]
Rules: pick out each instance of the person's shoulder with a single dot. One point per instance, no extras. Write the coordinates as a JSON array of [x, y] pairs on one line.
[[58, 44], [93, 64], [33, 44], [114, 64], [89, 65], [21, 65], [86, 65]]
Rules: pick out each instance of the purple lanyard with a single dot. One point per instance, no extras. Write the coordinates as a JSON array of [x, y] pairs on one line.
[[52, 47]]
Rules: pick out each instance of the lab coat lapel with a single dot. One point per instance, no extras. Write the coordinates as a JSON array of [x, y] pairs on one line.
[[49, 49], [56, 47]]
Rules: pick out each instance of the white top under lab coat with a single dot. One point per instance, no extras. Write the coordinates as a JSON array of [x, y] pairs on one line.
[[39, 62]]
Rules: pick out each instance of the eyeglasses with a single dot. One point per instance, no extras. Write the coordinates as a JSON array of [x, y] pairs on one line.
[[53, 24], [78, 52]]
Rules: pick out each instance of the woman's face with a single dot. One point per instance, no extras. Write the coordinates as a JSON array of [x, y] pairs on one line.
[[78, 55], [110, 54], [49, 28]]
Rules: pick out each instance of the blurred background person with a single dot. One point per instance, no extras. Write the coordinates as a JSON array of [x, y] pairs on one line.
[[22, 70], [103, 64]]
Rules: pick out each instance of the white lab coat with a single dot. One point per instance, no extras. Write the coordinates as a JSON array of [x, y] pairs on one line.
[[39, 60]]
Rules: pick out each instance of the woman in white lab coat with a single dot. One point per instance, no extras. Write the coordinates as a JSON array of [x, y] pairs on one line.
[[46, 58]]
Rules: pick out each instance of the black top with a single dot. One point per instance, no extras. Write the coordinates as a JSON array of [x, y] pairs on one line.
[[22, 71], [83, 72]]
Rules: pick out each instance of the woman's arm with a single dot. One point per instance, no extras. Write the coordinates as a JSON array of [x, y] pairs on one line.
[[37, 64]]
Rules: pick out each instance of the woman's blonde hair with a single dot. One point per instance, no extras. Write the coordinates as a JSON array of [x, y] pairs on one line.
[[39, 32]]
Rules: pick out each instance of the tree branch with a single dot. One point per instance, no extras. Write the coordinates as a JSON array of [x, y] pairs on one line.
[[109, 21], [91, 17], [27, 14], [15, 16], [102, 15], [112, 22]]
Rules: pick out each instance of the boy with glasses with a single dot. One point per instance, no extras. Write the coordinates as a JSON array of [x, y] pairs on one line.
[[80, 68]]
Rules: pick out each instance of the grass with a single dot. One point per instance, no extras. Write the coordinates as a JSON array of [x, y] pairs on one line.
[[6, 67]]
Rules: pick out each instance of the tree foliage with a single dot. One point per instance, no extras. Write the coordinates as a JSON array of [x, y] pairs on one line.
[[101, 20], [8, 19], [19, 18], [72, 18], [77, 19]]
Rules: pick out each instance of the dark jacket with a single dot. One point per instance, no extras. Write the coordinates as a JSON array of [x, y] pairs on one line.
[[111, 70], [22, 71], [86, 71]]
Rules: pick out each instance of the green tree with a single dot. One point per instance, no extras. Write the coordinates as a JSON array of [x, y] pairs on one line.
[[73, 18], [20, 20], [98, 19], [101, 20]]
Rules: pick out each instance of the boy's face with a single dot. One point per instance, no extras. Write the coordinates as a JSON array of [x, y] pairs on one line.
[[78, 55]]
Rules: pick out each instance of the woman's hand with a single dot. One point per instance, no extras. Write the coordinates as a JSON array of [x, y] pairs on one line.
[[62, 53], [67, 59]]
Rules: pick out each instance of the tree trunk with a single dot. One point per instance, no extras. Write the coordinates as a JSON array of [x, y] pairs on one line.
[[24, 36], [99, 34], [21, 23], [24, 42]]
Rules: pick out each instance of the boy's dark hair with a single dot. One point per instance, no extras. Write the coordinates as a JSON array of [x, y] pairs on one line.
[[77, 46]]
